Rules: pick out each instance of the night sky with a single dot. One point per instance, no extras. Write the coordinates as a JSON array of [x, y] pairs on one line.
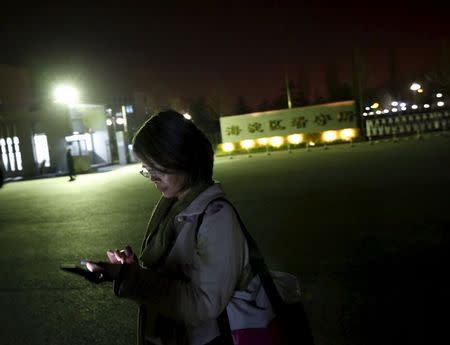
[[175, 49]]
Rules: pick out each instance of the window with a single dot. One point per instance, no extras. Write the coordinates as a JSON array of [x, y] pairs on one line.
[[41, 149], [18, 153], [10, 152]]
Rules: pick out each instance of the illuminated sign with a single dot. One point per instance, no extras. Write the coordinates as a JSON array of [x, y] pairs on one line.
[[311, 119]]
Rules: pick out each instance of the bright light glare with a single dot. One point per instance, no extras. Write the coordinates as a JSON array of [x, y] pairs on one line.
[[276, 141], [187, 116], [41, 149], [439, 95], [329, 136], [394, 110], [386, 111], [347, 134], [420, 91], [440, 104], [66, 94], [394, 104], [415, 87], [378, 112], [262, 141], [295, 139], [109, 122], [228, 147], [86, 138], [414, 106], [375, 105], [426, 106], [247, 144], [120, 121]]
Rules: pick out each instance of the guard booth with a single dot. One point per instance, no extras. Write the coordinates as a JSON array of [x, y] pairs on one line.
[[35, 142]]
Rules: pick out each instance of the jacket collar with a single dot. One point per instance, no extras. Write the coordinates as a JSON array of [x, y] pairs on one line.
[[199, 204]]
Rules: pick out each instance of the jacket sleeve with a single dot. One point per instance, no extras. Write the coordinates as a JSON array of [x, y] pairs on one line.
[[217, 264]]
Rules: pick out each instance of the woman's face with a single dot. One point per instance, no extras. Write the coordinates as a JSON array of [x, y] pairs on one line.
[[170, 184]]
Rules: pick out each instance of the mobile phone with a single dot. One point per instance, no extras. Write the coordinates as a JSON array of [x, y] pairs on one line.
[[81, 270]]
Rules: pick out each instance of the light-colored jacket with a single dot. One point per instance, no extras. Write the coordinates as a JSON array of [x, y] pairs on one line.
[[215, 265]]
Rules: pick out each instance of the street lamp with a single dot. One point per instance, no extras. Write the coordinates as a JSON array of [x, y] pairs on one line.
[[415, 87], [66, 94]]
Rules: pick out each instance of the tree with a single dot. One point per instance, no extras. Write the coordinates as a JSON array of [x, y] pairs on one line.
[[298, 96], [438, 75], [265, 105], [206, 115], [242, 106], [337, 90]]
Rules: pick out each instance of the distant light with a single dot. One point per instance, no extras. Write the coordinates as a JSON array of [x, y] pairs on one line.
[[129, 109], [295, 139], [347, 134], [386, 111], [439, 95], [394, 110], [65, 94], [371, 113], [109, 111], [367, 108], [403, 108], [403, 104], [415, 87], [364, 114], [329, 136], [109, 122], [228, 147], [375, 105], [440, 104], [120, 121], [247, 144], [394, 104], [262, 141], [276, 141], [311, 143], [187, 116], [378, 112], [414, 106], [75, 133], [426, 106], [420, 91]]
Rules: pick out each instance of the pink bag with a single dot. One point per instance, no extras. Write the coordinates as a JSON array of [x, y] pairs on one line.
[[270, 335]]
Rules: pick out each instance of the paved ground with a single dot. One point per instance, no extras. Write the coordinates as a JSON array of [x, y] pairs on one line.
[[364, 227]]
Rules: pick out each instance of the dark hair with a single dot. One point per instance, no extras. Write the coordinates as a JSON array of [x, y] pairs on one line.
[[176, 143]]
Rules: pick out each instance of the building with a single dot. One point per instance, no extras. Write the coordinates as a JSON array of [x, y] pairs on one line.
[[34, 136]]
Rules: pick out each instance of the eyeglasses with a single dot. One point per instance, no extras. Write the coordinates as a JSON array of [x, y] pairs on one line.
[[149, 171]]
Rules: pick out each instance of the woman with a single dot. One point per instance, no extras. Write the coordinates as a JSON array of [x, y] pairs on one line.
[[194, 254]]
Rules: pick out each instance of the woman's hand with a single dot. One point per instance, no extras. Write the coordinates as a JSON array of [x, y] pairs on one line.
[[109, 272], [111, 269], [125, 256]]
